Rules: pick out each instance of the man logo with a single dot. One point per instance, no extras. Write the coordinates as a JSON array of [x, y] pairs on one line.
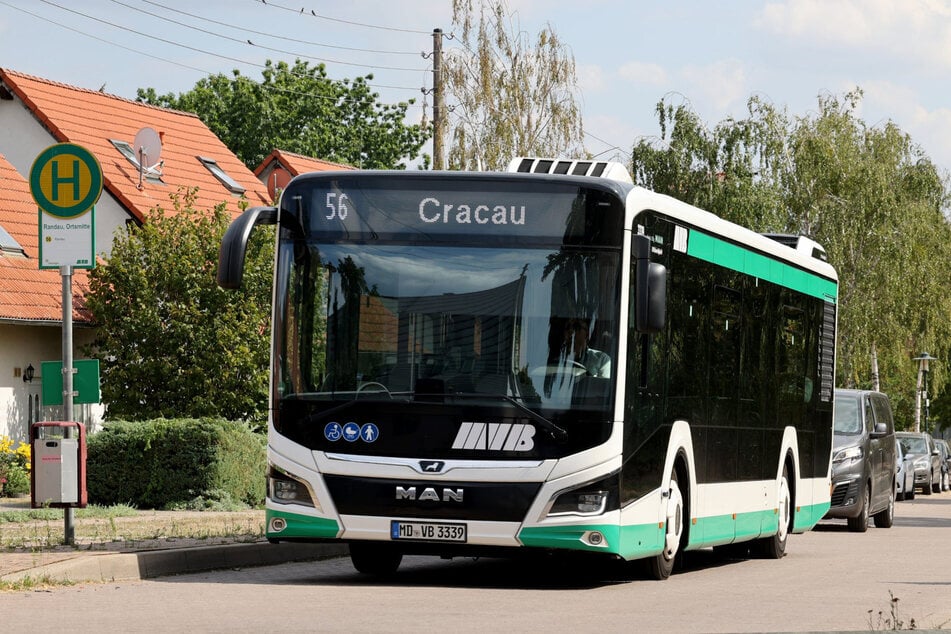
[[431, 466], [430, 494], [495, 437]]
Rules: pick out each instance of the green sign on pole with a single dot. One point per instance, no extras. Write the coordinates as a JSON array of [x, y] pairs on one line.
[[85, 381]]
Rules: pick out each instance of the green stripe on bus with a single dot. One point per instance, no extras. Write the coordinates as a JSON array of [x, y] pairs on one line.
[[570, 537], [298, 525], [630, 542], [731, 256], [808, 516]]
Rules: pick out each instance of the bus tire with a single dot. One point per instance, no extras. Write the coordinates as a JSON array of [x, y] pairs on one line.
[[774, 546], [660, 566], [378, 559]]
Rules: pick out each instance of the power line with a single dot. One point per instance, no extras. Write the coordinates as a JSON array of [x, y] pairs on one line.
[[166, 41], [278, 37], [324, 17], [189, 67], [105, 41], [249, 42]]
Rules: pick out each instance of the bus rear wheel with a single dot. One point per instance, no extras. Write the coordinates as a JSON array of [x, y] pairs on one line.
[[372, 558], [660, 566]]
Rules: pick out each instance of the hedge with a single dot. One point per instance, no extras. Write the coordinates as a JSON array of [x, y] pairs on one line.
[[167, 462]]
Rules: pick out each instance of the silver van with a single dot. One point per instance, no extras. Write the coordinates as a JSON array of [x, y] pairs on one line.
[[863, 459]]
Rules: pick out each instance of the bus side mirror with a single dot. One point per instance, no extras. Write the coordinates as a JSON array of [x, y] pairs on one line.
[[650, 289], [234, 245]]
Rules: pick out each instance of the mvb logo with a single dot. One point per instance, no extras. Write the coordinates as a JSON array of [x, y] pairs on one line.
[[495, 437]]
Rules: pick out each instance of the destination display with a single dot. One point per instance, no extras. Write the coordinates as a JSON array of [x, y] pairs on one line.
[[372, 207]]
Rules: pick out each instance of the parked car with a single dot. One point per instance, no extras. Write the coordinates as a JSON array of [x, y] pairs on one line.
[[905, 482], [920, 447], [863, 459], [945, 450]]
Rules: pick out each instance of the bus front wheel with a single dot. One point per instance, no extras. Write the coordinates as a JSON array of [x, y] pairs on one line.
[[774, 546], [660, 566], [372, 558]]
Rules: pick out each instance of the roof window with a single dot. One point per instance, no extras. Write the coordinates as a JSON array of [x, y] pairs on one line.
[[213, 167], [9, 245], [153, 173]]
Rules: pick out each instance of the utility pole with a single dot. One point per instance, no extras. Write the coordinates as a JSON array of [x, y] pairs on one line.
[[439, 112]]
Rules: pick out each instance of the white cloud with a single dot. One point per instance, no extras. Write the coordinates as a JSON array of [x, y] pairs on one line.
[[722, 84], [928, 128], [590, 77], [643, 73], [916, 31]]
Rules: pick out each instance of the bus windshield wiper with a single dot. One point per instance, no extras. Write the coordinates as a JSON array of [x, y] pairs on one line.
[[359, 397], [556, 432]]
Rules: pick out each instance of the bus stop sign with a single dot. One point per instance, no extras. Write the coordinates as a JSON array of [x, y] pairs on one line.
[[66, 182]]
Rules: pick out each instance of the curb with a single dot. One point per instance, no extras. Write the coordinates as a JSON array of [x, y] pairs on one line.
[[161, 563]]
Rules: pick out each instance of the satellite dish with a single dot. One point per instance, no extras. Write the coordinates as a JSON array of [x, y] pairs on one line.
[[277, 180], [147, 147]]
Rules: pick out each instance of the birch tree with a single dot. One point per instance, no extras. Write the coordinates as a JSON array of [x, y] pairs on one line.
[[509, 94]]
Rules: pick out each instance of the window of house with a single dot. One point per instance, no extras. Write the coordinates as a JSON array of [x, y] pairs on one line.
[[213, 167], [9, 245], [153, 174]]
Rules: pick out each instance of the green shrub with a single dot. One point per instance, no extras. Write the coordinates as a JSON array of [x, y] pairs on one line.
[[167, 463]]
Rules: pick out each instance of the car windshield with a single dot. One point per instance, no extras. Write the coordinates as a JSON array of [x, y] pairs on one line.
[[848, 419], [914, 444]]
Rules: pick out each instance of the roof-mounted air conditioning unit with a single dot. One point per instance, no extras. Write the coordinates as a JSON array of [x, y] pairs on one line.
[[602, 169]]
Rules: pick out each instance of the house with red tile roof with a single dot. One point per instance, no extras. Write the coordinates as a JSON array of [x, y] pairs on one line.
[[147, 155], [280, 166]]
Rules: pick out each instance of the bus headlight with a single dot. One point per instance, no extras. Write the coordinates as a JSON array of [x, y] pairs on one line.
[[285, 489], [593, 498]]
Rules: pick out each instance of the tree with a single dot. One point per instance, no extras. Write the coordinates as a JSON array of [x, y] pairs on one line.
[[511, 97], [300, 109], [171, 343], [869, 195]]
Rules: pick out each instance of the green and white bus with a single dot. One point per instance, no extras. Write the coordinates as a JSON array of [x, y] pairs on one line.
[[549, 358]]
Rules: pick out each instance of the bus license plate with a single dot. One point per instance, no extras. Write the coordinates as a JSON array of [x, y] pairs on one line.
[[428, 531]]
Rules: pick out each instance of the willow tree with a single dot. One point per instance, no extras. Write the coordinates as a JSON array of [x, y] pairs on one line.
[[868, 194], [509, 94]]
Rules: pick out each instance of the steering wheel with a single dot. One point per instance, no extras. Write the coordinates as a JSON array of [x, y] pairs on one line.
[[373, 384]]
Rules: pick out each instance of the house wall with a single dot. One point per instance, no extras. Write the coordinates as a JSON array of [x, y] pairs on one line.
[[22, 139], [28, 344]]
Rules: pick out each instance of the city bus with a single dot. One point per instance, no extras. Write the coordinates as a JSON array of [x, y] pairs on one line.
[[548, 359]]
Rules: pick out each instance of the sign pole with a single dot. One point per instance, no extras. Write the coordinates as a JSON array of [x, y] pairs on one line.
[[67, 273], [66, 182]]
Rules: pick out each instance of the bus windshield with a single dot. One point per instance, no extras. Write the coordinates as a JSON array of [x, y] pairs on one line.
[[421, 323]]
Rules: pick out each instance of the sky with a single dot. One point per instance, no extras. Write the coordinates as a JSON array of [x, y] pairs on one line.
[[630, 54]]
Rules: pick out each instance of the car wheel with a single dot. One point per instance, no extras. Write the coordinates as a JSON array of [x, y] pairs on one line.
[[859, 524], [885, 517], [927, 488], [910, 494], [936, 485]]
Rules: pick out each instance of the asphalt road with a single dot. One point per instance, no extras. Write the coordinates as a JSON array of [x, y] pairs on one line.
[[830, 580]]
